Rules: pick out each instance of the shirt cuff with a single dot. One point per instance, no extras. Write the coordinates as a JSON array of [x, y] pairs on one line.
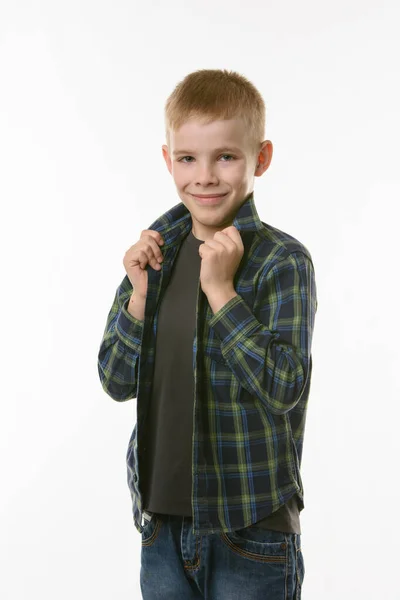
[[234, 322], [129, 329]]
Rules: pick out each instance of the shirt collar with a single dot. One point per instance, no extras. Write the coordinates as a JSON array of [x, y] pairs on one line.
[[176, 223]]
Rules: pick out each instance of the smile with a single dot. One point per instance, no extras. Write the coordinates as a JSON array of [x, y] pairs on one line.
[[209, 200]]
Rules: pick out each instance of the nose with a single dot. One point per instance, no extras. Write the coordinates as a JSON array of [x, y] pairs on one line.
[[205, 175]]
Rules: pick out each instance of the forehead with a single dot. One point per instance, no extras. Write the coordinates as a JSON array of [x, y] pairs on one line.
[[197, 135]]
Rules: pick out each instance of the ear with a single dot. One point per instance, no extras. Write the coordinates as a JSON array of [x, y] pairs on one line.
[[264, 158], [167, 158]]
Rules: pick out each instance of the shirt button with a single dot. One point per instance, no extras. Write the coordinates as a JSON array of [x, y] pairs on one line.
[[135, 477]]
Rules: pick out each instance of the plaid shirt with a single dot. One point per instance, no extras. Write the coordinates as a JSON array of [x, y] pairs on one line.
[[252, 371]]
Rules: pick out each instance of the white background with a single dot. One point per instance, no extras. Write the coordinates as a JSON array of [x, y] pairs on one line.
[[82, 92]]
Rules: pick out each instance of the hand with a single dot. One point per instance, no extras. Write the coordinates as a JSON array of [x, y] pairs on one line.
[[145, 251], [221, 257]]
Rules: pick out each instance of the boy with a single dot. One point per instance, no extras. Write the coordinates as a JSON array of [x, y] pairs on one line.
[[211, 331]]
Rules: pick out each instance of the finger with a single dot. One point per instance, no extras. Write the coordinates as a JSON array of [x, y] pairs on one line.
[[155, 234], [224, 240], [213, 246], [231, 232], [142, 257], [155, 256]]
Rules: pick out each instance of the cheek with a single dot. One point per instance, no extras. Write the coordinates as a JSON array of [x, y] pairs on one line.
[[234, 170], [180, 177], [237, 174]]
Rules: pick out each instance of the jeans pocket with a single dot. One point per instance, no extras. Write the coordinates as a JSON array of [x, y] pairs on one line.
[[151, 529], [263, 545], [300, 572]]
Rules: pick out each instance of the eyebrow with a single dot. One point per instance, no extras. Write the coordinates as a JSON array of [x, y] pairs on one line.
[[222, 149]]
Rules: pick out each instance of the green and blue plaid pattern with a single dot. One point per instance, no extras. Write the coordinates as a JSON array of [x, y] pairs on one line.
[[252, 369]]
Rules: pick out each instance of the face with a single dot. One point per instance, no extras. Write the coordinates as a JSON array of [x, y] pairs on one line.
[[213, 166]]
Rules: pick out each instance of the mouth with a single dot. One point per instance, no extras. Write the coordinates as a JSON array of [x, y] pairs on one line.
[[209, 199]]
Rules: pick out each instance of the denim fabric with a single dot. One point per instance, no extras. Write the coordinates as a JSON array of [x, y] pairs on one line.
[[247, 564]]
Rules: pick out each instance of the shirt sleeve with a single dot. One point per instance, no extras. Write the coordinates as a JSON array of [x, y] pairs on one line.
[[120, 348], [269, 348]]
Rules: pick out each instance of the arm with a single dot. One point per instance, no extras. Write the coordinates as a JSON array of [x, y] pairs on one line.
[[270, 351], [119, 352]]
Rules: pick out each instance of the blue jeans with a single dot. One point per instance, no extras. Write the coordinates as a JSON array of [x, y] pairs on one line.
[[248, 564]]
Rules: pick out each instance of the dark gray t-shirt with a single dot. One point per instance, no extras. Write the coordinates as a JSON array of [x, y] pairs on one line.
[[166, 482]]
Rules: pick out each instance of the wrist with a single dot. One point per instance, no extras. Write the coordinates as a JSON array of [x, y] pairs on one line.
[[136, 306], [217, 298], [135, 297], [220, 291]]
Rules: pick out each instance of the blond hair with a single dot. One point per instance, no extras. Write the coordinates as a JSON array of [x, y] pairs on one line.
[[215, 94]]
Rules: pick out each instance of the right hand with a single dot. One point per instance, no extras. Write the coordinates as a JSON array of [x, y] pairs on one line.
[[145, 251]]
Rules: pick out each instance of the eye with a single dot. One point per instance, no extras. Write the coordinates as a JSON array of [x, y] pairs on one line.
[[183, 159]]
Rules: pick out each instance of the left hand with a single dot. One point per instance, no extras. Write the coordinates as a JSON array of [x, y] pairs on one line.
[[221, 257]]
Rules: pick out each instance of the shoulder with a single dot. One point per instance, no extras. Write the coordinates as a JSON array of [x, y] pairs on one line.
[[283, 243], [276, 245]]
